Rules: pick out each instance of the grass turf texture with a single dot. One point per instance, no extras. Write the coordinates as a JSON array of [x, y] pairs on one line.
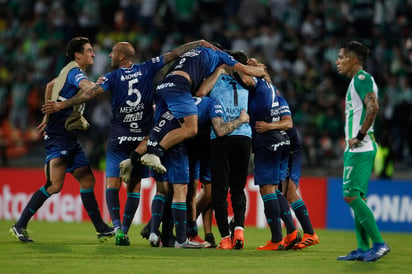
[[73, 248]]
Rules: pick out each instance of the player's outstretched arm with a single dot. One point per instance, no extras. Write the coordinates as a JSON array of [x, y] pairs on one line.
[[88, 91], [208, 83], [172, 55]]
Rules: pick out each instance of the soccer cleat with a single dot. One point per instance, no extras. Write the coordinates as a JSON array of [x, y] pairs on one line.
[[354, 255], [121, 238], [291, 239], [145, 232], [188, 244], [154, 239], [225, 243], [20, 234], [272, 246], [238, 239], [153, 161], [308, 240], [197, 239], [126, 170], [376, 252], [210, 239], [105, 235]]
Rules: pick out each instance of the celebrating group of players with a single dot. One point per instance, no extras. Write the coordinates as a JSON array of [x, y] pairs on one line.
[[212, 108]]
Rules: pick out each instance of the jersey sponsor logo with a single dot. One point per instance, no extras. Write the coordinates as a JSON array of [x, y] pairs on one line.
[[191, 53], [151, 143], [129, 139], [346, 182], [361, 77], [168, 115], [133, 117], [132, 109], [165, 85], [283, 143], [130, 76]]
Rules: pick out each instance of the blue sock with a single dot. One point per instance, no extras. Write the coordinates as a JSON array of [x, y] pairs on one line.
[[191, 228], [272, 213], [113, 205], [285, 213], [179, 217], [132, 203], [36, 201], [92, 209], [158, 205], [302, 214]]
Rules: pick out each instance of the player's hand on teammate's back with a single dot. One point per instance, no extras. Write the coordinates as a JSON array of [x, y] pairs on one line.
[[50, 107]]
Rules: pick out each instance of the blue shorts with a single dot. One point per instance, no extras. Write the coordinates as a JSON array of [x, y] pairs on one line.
[[66, 148], [177, 164], [117, 152], [175, 92], [295, 164], [268, 158]]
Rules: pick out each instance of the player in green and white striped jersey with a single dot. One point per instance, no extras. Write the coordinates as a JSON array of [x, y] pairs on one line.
[[361, 108]]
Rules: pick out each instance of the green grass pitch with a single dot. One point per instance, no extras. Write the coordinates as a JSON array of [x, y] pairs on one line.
[[73, 248]]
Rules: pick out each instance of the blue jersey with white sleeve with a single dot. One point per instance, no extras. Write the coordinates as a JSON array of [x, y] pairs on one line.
[[55, 125], [200, 62], [132, 98], [234, 98]]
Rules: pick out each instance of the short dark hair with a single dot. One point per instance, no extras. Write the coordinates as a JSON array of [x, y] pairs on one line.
[[356, 48], [76, 45], [239, 56]]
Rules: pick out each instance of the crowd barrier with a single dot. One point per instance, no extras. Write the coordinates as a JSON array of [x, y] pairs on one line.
[[391, 201]]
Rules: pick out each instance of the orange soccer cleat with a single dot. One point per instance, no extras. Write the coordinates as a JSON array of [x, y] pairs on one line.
[[225, 243], [308, 240], [291, 239], [272, 246]]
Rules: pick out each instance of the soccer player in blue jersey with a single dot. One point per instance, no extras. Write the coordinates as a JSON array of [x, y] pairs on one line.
[[230, 155], [210, 114], [291, 166], [63, 151], [268, 147], [131, 87], [176, 90]]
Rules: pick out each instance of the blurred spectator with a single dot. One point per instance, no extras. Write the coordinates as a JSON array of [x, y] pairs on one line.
[[297, 40]]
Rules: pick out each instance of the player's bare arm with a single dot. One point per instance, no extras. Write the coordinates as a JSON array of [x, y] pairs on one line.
[[221, 128], [208, 83], [372, 109], [172, 55], [284, 124], [88, 91]]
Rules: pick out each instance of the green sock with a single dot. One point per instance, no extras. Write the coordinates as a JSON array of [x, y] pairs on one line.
[[361, 236], [366, 219]]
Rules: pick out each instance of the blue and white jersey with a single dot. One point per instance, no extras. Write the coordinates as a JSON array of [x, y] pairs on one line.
[[263, 103], [207, 108], [234, 98], [200, 62], [292, 133], [132, 98], [55, 126]]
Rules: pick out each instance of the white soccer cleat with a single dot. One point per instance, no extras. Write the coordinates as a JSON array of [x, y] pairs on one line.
[[126, 170], [153, 161]]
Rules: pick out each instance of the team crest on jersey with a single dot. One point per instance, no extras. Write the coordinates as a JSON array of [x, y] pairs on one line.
[[361, 77]]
